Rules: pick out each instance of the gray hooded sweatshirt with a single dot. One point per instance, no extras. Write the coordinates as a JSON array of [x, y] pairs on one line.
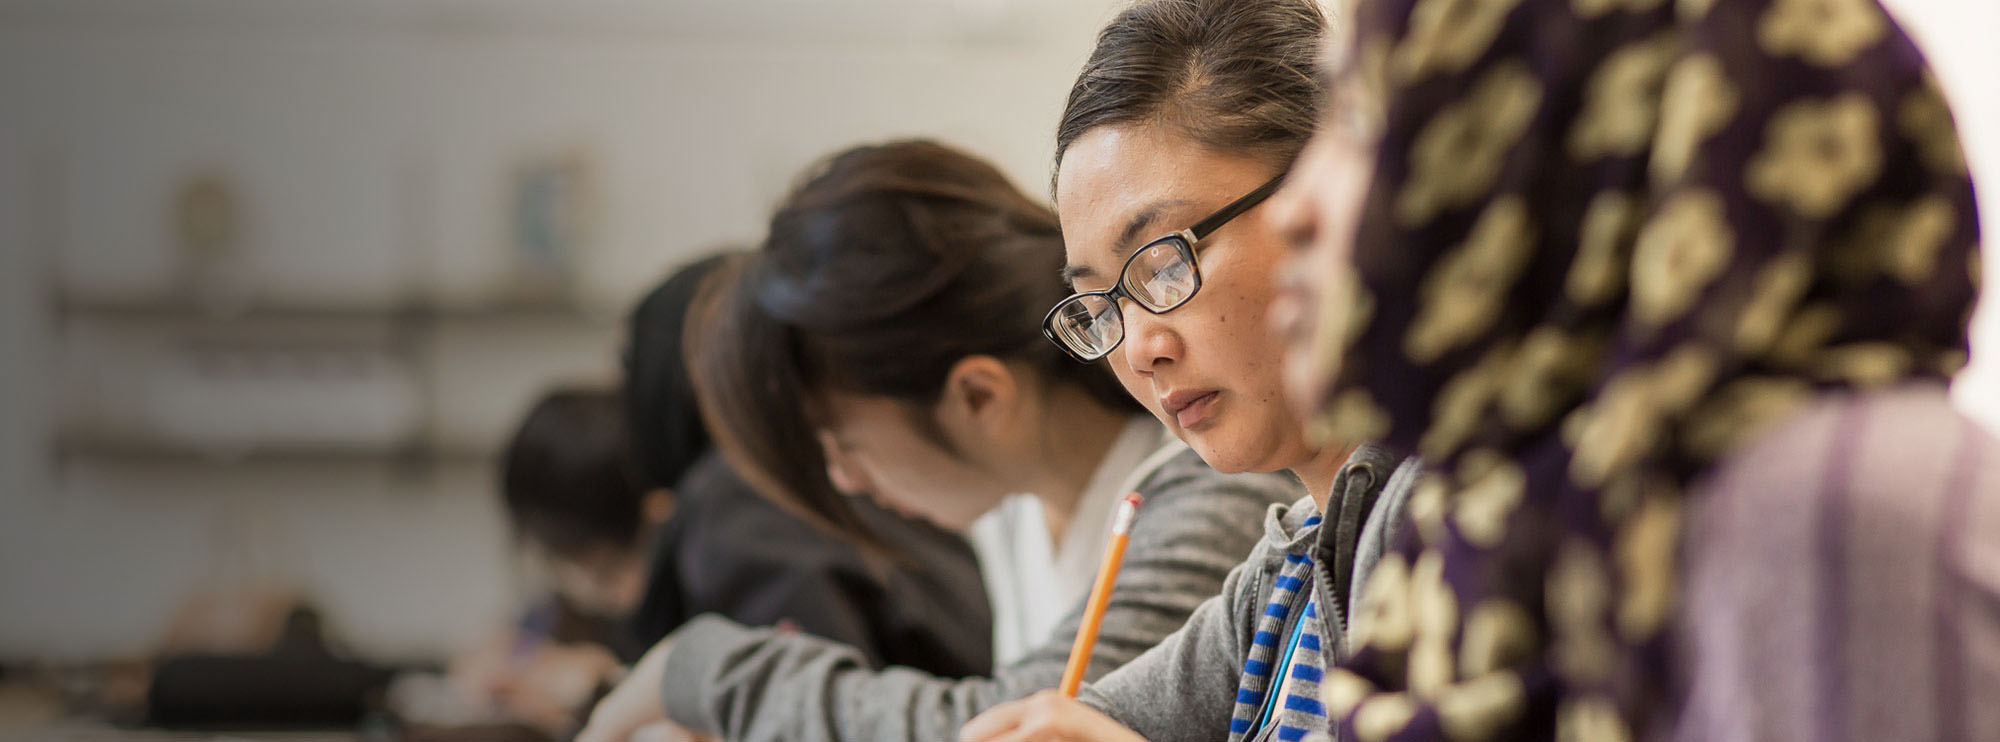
[[758, 685], [1247, 664]]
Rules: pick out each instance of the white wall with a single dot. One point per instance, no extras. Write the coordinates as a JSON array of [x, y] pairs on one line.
[[372, 142], [374, 137], [1958, 36]]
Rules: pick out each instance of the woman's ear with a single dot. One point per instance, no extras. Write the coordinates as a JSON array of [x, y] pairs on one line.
[[657, 506], [982, 398], [842, 472]]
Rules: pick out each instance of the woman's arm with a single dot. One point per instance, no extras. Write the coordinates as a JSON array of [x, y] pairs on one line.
[[755, 685]]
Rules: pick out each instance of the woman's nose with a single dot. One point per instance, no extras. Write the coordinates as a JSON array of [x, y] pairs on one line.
[[1150, 342]]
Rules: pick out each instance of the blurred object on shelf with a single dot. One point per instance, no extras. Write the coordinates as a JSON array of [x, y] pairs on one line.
[[554, 218], [208, 228], [225, 399]]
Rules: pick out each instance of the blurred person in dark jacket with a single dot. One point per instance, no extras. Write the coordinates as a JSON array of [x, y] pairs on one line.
[[730, 551], [637, 520]]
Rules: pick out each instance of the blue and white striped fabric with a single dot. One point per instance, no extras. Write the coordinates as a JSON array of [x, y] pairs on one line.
[[1298, 709]]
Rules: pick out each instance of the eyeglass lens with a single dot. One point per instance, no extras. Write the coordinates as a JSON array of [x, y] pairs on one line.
[[1158, 277]]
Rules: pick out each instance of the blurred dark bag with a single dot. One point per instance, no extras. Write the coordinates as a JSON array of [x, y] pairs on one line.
[[263, 692]]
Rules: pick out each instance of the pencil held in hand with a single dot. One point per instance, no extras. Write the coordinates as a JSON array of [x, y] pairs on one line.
[[1100, 594]]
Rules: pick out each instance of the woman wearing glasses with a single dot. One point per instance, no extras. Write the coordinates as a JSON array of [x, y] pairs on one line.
[[1676, 343], [1163, 162], [886, 342], [1177, 129]]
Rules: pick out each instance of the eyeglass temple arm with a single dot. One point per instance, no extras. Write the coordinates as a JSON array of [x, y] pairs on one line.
[[1234, 209]]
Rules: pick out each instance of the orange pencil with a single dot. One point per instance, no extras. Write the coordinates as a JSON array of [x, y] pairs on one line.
[[1100, 594]]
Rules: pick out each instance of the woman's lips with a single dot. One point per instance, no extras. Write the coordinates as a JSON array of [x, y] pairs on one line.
[[1190, 408]]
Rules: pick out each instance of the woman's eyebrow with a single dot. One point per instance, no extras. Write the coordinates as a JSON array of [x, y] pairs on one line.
[[1142, 219], [1070, 274], [1123, 246]]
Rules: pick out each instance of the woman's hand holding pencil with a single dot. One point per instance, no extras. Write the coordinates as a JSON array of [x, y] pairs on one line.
[[1048, 716], [633, 710], [1100, 594], [1056, 716]]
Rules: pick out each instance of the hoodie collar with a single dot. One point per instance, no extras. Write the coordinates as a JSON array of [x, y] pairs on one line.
[[1366, 470]]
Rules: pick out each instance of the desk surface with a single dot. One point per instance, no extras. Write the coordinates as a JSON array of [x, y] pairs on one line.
[[84, 732]]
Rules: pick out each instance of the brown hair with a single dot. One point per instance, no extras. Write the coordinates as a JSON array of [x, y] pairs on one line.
[[1237, 76], [884, 268]]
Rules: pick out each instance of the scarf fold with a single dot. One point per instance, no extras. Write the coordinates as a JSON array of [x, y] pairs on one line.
[[1607, 243]]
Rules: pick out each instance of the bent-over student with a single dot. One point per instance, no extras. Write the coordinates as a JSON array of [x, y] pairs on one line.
[[886, 341]]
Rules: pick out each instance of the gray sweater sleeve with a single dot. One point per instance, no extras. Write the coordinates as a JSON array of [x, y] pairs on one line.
[[1184, 690], [757, 685]]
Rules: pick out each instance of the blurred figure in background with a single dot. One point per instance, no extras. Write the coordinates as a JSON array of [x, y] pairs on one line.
[[575, 506], [1179, 126], [640, 525], [1670, 292], [727, 550], [885, 343]]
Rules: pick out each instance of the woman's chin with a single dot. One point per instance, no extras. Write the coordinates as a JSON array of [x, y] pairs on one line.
[[1227, 459]]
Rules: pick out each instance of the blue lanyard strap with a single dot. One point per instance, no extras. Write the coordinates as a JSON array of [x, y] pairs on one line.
[[1284, 669]]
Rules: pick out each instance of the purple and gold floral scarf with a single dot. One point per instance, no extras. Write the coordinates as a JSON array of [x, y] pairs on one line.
[[1607, 242]]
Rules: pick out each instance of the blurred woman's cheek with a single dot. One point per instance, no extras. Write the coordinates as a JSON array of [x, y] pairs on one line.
[[1294, 216], [1293, 318], [1312, 357], [842, 471], [1318, 300], [628, 586], [1292, 212]]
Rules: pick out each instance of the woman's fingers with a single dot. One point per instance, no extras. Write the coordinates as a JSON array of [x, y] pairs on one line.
[[615, 718], [988, 726], [1047, 716], [635, 703], [667, 731]]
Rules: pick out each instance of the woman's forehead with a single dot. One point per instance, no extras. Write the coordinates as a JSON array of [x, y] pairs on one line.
[[1121, 186], [847, 414]]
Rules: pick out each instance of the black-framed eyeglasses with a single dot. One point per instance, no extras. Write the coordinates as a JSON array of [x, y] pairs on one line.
[[1160, 277]]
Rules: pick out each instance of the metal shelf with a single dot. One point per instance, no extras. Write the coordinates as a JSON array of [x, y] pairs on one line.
[[184, 310], [154, 451], [409, 330]]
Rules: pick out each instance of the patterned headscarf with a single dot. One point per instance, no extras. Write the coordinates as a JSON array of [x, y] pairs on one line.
[[1608, 241]]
